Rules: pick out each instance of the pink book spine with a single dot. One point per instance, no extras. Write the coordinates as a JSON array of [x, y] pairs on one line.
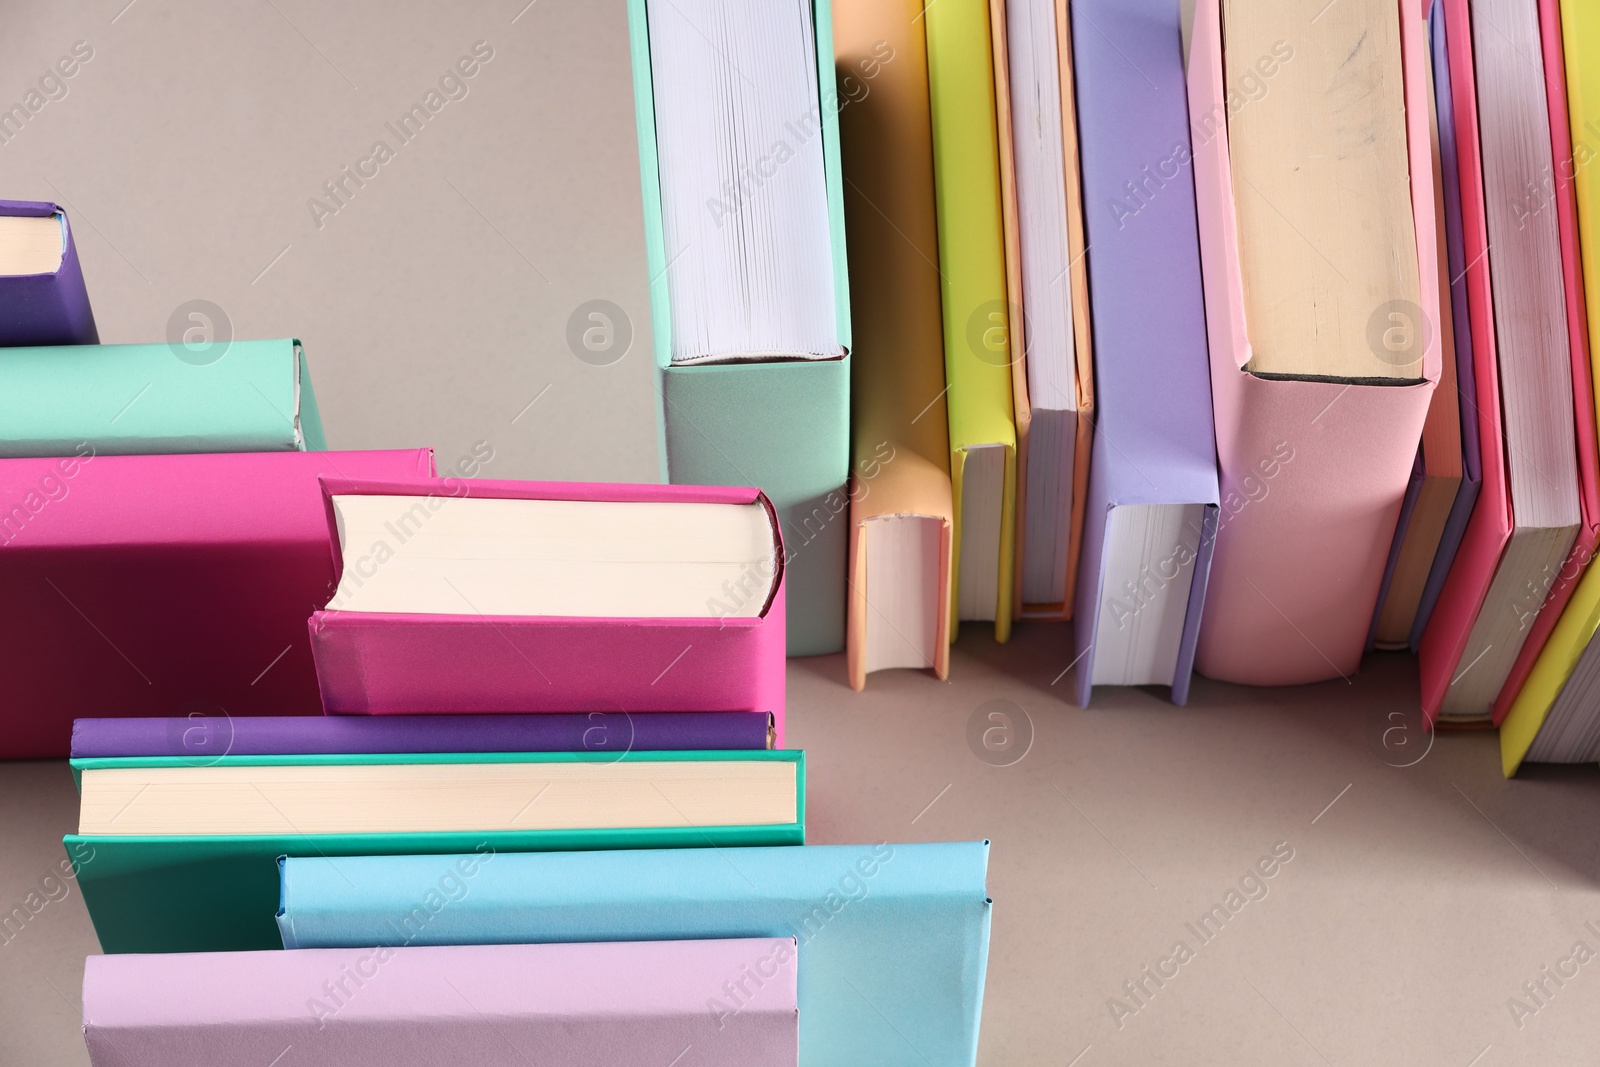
[[1313, 472], [380, 664], [1490, 526], [580, 1005], [1563, 199]]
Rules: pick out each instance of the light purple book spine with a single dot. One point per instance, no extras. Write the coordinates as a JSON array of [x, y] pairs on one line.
[[46, 309], [716, 1003], [1154, 441]]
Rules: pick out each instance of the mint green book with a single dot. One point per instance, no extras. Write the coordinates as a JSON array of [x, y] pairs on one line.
[[240, 396], [750, 309], [211, 892]]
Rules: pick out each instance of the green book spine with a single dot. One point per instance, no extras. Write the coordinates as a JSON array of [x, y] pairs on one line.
[[781, 427], [243, 396], [220, 893]]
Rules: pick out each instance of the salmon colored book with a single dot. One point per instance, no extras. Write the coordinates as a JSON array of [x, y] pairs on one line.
[[901, 515]]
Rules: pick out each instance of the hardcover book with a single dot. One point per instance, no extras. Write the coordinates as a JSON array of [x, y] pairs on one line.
[[493, 596], [579, 1005], [255, 396], [749, 291], [893, 939], [1152, 503], [203, 737], [43, 300], [155, 585], [178, 857]]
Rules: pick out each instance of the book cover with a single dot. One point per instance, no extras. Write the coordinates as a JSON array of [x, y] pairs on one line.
[[1558, 587], [371, 663], [1153, 430], [160, 585], [900, 432], [1301, 553], [580, 1005], [50, 308], [253, 396], [782, 426], [977, 314], [1458, 311], [893, 938], [203, 737], [1575, 628], [212, 893]]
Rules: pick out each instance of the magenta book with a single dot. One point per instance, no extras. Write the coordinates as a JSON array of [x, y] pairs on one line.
[[499, 596], [164, 585]]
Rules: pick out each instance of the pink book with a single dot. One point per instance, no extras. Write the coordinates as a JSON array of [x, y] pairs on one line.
[[164, 585], [721, 1003], [1489, 529], [398, 638], [1313, 470], [1565, 204]]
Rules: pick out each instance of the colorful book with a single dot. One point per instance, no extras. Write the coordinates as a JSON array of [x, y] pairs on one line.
[[893, 939], [978, 317], [1489, 529], [1460, 320], [201, 738], [1465, 669], [1552, 717], [1052, 374], [175, 856], [154, 585], [1560, 584], [749, 292], [562, 596], [901, 515], [1323, 363], [589, 1005], [249, 396], [1438, 473], [43, 300], [1151, 510]]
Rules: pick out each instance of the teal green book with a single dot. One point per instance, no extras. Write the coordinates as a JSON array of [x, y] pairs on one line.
[[781, 425], [219, 892], [154, 399]]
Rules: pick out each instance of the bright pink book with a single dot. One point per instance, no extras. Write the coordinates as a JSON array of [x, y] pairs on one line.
[[1565, 204], [164, 585], [1490, 526], [719, 1003], [380, 662]]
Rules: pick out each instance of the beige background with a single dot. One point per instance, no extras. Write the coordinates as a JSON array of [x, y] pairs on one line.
[[434, 309]]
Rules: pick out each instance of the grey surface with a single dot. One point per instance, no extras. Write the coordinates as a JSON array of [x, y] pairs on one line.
[[1420, 898]]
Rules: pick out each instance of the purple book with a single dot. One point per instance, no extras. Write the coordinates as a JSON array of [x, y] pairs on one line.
[[208, 737], [1153, 468], [714, 1003], [1466, 381], [45, 303]]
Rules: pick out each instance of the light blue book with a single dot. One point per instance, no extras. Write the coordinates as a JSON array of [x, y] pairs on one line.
[[893, 939], [154, 399]]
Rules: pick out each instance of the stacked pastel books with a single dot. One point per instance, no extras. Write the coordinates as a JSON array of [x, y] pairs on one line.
[[387, 766]]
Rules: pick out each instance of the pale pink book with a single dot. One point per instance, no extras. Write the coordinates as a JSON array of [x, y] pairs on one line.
[[1489, 529], [1564, 202], [1313, 471], [717, 1003], [728, 655]]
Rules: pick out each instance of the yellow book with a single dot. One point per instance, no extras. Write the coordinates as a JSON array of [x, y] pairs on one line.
[[977, 315], [1542, 694]]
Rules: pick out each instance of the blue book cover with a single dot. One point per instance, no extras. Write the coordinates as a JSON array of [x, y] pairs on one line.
[[893, 939]]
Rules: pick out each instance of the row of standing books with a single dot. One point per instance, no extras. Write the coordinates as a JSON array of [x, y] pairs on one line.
[[1137, 321]]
